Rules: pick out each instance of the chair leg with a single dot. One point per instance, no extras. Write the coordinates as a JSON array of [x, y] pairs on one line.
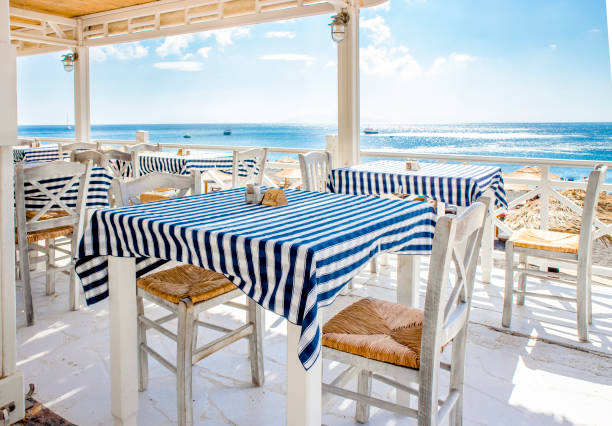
[[509, 287], [50, 268], [364, 387], [75, 295], [24, 263], [373, 265], [589, 287], [143, 359], [522, 279], [582, 297], [256, 317], [184, 363], [457, 374]]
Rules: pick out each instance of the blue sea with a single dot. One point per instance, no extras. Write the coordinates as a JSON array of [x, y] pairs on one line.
[[577, 141]]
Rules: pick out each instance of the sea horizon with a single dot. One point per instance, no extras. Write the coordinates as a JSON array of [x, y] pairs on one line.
[[556, 140]]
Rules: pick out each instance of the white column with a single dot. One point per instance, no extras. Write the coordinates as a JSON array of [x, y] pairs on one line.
[[348, 92], [609, 14], [82, 116], [11, 381]]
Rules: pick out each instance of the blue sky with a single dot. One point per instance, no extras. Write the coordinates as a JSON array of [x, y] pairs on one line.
[[422, 61]]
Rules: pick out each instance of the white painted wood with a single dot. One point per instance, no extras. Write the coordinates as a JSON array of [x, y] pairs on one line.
[[123, 338], [609, 18], [258, 156], [142, 136], [303, 386], [127, 193], [331, 145], [408, 280], [348, 91], [584, 262], [82, 115], [456, 243], [488, 240], [315, 168]]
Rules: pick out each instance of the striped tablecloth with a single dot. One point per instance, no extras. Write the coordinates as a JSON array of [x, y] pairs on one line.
[[28, 154], [455, 184], [97, 195], [182, 165], [291, 260]]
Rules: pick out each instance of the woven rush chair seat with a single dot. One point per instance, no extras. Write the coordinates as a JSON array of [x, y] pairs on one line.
[[379, 330], [159, 194], [561, 242], [46, 234], [186, 281]]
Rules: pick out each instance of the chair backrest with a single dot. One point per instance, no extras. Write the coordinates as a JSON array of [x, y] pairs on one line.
[[84, 157], [315, 167], [248, 167], [67, 149], [119, 163], [55, 181], [589, 210], [128, 192], [456, 243], [141, 147]]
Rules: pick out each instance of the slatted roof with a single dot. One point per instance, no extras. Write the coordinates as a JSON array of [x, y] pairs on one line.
[[39, 26]]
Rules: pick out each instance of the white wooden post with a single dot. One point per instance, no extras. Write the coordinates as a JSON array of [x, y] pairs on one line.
[[142, 136], [303, 387], [609, 14], [11, 380], [348, 91], [82, 116], [331, 144], [123, 340]]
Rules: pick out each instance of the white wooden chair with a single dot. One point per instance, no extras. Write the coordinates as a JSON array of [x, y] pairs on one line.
[[155, 186], [400, 345], [65, 150], [85, 156], [185, 291], [248, 167], [556, 246], [54, 220], [134, 150], [315, 167]]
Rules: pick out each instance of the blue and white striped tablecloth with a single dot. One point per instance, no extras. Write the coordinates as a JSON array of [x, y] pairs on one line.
[[455, 184], [97, 194], [182, 165], [291, 260], [26, 154]]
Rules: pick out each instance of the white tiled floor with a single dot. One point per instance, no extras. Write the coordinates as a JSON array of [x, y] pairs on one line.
[[510, 379]]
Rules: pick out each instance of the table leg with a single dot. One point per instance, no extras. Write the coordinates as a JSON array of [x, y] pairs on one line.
[[488, 235], [303, 387], [408, 280], [123, 342]]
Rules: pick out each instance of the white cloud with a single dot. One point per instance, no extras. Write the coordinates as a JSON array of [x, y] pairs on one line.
[[204, 51], [385, 7], [174, 45], [461, 57], [552, 46], [122, 52], [385, 62], [179, 65], [280, 34], [379, 30], [226, 36], [330, 64], [293, 57]]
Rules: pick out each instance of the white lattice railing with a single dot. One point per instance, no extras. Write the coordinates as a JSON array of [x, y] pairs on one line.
[[544, 187]]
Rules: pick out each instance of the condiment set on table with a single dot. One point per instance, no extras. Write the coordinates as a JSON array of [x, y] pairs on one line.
[[274, 197]]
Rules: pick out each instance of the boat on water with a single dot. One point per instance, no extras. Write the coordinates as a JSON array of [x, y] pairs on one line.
[[227, 132], [370, 131], [187, 135]]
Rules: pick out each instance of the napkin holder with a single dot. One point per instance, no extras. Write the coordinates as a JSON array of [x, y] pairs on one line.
[[412, 165], [253, 194], [275, 197]]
